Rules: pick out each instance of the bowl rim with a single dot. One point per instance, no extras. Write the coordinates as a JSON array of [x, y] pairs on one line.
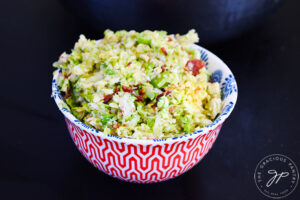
[[225, 113]]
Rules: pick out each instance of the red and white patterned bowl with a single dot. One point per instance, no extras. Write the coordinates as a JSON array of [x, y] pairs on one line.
[[149, 161]]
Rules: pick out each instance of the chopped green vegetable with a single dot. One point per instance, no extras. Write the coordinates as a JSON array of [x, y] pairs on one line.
[[75, 62], [140, 109], [106, 118], [104, 65], [161, 80], [144, 40], [150, 122], [188, 125], [110, 72], [79, 112]]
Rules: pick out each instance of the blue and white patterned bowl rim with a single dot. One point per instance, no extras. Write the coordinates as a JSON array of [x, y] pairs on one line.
[[219, 73]]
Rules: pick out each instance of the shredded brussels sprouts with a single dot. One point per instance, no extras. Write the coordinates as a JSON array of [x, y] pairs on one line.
[[146, 85]]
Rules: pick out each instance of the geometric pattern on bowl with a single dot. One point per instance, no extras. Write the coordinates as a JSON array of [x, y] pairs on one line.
[[141, 163]]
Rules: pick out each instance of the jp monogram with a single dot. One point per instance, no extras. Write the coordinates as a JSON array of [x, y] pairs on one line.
[[276, 176]]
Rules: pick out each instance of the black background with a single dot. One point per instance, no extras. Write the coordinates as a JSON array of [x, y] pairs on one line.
[[40, 161]]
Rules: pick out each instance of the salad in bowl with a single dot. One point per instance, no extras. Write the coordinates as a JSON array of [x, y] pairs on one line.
[[146, 85], [143, 107]]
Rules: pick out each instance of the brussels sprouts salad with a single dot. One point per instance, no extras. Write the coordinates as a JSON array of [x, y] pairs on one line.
[[147, 85]]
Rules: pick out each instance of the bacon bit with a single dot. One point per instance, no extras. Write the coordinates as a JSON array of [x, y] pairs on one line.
[[170, 39], [130, 90], [164, 51], [117, 90], [107, 98], [141, 91], [127, 89], [138, 97], [167, 92], [67, 75], [161, 95], [129, 63], [67, 94], [171, 110], [138, 85], [194, 65], [163, 68], [116, 126], [124, 125]]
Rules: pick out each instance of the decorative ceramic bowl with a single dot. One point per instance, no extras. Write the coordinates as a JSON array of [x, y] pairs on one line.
[[149, 161]]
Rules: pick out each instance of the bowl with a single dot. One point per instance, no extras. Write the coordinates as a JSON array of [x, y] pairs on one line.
[[215, 20], [150, 161]]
